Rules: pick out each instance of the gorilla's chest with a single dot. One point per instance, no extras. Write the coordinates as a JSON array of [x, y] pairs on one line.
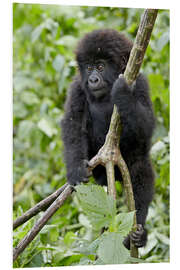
[[100, 116]]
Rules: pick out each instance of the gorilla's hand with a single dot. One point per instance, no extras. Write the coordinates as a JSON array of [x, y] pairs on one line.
[[122, 94], [121, 86], [139, 237], [80, 174]]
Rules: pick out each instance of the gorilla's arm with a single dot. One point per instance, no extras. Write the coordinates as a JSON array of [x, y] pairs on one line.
[[74, 136], [135, 109], [138, 122]]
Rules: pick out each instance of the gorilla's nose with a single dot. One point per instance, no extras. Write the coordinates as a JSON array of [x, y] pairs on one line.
[[94, 81]]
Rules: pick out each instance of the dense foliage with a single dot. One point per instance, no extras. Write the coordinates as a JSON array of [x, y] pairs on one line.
[[43, 67]]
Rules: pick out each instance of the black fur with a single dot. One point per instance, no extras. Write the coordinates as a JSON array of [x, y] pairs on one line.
[[88, 113]]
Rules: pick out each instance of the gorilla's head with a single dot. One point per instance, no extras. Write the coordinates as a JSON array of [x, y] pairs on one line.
[[102, 55]]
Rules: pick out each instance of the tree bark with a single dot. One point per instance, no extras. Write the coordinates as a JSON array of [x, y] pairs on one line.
[[41, 206]]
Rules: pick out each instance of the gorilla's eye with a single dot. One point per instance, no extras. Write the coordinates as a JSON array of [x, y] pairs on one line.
[[100, 67], [89, 68]]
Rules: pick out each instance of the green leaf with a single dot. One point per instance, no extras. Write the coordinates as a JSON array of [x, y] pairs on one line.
[[69, 41], [158, 88], [29, 98], [54, 233], [163, 238], [70, 260], [51, 25], [46, 126], [85, 261], [58, 62], [36, 261], [23, 82], [162, 41], [19, 110], [90, 248], [84, 221], [69, 238], [93, 246], [151, 243], [99, 262], [157, 148], [98, 206], [126, 221], [47, 24], [111, 249], [25, 129], [37, 32]]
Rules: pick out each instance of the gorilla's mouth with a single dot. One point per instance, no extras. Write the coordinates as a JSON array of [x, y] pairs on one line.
[[98, 89], [99, 92], [102, 87]]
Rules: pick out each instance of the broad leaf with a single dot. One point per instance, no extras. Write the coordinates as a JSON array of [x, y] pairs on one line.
[[126, 221], [98, 206], [111, 249]]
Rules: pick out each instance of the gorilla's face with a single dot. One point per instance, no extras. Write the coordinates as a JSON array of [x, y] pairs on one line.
[[98, 77], [96, 74]]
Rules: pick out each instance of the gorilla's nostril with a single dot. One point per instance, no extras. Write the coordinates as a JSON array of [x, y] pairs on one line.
[[94, 79]]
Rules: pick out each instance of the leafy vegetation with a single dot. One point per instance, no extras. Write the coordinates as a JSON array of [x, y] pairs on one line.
[[44, 39]]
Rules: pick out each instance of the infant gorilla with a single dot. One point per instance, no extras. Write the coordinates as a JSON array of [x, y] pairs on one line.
[[101, 56]]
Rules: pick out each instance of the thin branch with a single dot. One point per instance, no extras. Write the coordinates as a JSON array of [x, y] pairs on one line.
[[140, 44], [42, 221], [111, 179], [41, 206]]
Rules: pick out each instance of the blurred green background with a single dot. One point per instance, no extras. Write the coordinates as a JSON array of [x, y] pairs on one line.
[[44, 39]]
